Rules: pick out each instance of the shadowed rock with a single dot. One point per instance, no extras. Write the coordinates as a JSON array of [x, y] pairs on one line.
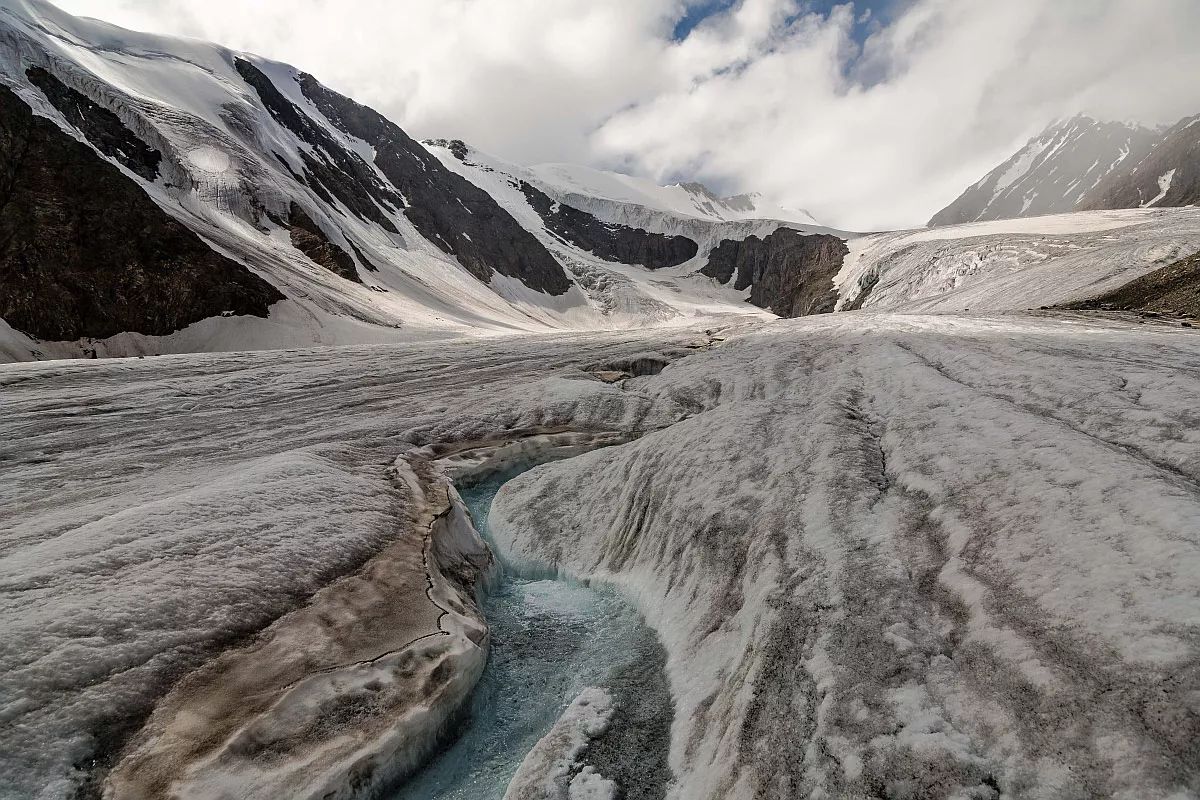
[[1173, 289], [1168, 176], [788, 272], [332, 170], [102, 127], [1083, 164], [447, 209], [609, 241], [84, 251], [457, 147], [308, 238]]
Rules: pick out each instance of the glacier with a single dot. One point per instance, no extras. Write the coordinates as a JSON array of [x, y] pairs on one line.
[[879, 550], [942, 542]]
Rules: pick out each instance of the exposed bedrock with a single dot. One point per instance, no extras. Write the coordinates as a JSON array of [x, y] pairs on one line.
[[447, 209], [609, 241], [84, 252], [457, 147], [705, 232], [308, 238], [788, 272]]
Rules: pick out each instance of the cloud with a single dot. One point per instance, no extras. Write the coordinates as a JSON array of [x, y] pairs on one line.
[[870, 115]]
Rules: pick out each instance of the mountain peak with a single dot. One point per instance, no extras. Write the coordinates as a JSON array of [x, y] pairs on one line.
[[697, 188], [1054, 172]]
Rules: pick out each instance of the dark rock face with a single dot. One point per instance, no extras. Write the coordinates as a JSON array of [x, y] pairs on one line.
[[308, 238], [84, 252], [457, 147], [446, 208], [788, 272], [363, 261], [866, 285], [102, 127], [1173, 289], [334, 171], [1177, 155], [610, 242]]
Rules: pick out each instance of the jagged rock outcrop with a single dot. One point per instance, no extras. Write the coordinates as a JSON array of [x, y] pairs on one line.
[[84, 252], [1173, 289], [788, 272], [447, 209], [102, 127], [1168, 176], [609, 241], [457, 147], [308, 238]]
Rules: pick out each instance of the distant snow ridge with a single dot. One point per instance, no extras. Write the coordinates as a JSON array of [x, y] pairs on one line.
[[1086, 164], [691, 199]]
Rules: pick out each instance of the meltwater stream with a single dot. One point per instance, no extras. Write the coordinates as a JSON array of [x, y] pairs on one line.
[[550, 640]]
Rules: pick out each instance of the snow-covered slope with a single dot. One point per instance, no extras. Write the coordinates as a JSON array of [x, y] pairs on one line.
[[615, 285], [326, 224], [1054, 172], [1013, 264], [682, 209], [235, 156], [593, 221], [680, 199], [365, 235]]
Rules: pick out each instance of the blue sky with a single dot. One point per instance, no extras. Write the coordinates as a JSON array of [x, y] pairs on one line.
[[881, 12]]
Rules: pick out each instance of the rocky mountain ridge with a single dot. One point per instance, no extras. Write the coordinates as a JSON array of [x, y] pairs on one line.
[[1084, 164], [1168, 176], [355, 231], [323, 223]]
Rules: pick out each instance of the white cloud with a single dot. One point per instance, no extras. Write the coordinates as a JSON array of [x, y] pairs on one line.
[[759, 97]]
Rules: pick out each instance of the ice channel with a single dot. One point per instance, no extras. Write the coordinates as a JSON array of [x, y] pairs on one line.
[[551, 639]]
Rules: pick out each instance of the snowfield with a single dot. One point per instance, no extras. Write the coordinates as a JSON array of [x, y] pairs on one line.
[[1015, 264], [942, 556]]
